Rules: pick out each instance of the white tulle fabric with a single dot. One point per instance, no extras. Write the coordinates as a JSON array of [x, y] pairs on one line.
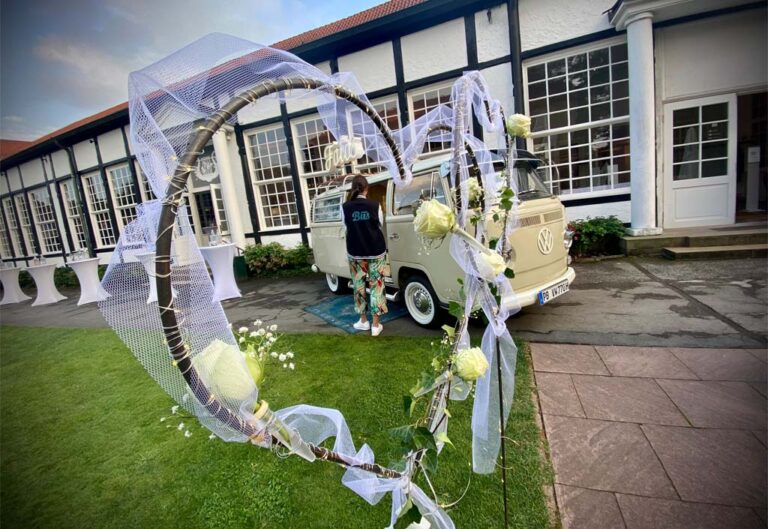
[[168, 102]]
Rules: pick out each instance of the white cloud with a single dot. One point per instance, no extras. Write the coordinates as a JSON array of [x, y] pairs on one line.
[[13, 119]]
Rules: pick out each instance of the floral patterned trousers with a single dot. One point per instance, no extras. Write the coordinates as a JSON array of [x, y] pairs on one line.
[[372, 271]]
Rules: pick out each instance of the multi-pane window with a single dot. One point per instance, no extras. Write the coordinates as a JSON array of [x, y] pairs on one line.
[[72, 212], [423, 102], [312, 137], [272, 184], [579, 108], [123, 197], [6, 251], [13, 227], [389, 112], [24, 220], [146, 189], [45, 220], [219, 209], [98, 207], [700, 142]]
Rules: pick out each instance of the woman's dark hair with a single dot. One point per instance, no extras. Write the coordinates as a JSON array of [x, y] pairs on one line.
[[359, 185]]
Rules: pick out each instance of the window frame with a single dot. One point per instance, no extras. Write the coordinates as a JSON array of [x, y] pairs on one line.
[[46, 234], [257, 184], [385, 100], [93, 213], [304, 177], [117, 206], [17, 237], [546, 170], [77, 229], [25, 227], [412, 111]]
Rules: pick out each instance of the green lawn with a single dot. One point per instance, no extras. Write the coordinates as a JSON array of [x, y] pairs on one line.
[[82, 444]]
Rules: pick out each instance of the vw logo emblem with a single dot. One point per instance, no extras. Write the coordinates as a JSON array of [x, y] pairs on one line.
[[545, 241]]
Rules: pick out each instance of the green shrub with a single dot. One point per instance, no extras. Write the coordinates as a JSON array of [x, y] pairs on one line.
[[596, 236], [273, 260]]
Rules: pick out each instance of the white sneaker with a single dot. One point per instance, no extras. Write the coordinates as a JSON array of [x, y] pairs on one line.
[[375, 331], [362, 326]]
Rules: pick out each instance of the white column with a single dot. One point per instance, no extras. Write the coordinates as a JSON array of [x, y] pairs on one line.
[[228, 190], [642, 124]]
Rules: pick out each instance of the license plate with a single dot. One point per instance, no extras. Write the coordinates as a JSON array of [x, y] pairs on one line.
[[548, 294]]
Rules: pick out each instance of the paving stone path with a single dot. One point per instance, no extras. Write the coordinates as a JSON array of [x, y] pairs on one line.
[[651, 437]]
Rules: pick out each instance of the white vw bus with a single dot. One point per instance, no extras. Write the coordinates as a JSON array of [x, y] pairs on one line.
[[426, 279]]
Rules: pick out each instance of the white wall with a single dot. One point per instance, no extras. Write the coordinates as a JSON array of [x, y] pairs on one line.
[[85, 155], [237, 175], [499, 79], [493, 36], [32, 172], [111, 146], [3, 186], [296, 105], [544, 22], [61, 163], [374, 67], [289, 240], [715, 55], [13, 178], [262, 109], [434, 50], [620, 209]]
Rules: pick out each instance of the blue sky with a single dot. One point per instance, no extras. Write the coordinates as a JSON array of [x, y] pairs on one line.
[[63, 60]]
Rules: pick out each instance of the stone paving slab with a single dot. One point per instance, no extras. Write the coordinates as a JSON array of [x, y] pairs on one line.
[[604, 455], [557, 395], [620, 465], [723, 364], [624, 399], [588, 509], [653, 513], [713, 404], [566, 358], [712, 466], [643, 362]]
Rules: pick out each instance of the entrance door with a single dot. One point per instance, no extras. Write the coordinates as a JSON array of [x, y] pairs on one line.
[[700, 162]]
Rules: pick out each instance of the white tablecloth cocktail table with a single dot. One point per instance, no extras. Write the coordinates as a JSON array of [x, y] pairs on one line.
[[220, 259], [87, 271], [12, 292], [147, 259], [46, 289]]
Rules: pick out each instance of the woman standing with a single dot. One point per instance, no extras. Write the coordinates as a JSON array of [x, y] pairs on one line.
[[367, 253]]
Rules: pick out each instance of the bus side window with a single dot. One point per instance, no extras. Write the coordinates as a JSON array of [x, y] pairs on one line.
[[422, 187]]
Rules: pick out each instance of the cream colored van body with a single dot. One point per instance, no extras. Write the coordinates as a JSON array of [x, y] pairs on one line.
[[426, 278]]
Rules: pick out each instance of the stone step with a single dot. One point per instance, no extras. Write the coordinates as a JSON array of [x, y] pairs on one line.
[[735, 251], [653, 244]]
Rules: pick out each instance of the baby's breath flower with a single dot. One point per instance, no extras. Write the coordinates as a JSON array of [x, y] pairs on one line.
[[212, 437], [257, 323], [281, 357], [285, 366], [289, 354], [253, 334], [243, 329], [261, 332], [180, 426], [273, 354], [269, 335], [187, 434], [241, 340], [273, 328], [291, 366], [174, 409], [162, 419]]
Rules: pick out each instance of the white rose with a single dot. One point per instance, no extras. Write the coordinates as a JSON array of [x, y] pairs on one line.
[[474, 191], [490, 265], [470, 364], [433, 219], [519, 126], [221, 368]]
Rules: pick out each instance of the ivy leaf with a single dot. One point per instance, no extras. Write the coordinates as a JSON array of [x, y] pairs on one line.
[[404, 434], [492, 243], [442, 437], [409, 403], [424, 439], [509, 273], [455, 310], [429, 461], [496, 217], [409, 516], [425, 382]]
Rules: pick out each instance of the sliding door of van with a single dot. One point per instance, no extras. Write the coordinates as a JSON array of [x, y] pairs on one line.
[[329, 243]]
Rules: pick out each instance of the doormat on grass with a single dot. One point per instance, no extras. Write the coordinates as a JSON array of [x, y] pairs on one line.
[[339, 311]]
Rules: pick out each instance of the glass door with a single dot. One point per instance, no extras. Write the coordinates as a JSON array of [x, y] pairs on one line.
[[700, 162]]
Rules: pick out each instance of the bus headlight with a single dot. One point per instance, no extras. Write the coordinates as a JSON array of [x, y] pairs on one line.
[[567, 239]]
